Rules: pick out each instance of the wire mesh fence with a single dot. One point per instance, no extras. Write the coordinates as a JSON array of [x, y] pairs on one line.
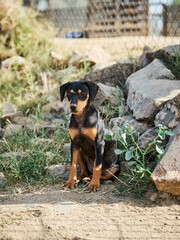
[[142, 22]]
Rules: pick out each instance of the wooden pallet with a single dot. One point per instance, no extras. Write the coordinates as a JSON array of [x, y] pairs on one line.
[[120, 17]]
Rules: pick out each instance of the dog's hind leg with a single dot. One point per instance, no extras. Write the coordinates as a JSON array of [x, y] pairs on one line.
[[82, 162], [109, 173]]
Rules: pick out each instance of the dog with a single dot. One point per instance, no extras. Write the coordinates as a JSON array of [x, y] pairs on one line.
[[94, 154]]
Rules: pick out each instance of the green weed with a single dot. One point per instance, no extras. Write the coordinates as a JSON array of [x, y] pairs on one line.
[[173, 63], [138, 159], [32, 167]]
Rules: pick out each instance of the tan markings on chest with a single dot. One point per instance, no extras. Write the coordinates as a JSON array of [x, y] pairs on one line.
[[90, 132]]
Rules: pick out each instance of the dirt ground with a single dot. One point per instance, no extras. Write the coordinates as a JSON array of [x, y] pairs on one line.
[[56, 213]]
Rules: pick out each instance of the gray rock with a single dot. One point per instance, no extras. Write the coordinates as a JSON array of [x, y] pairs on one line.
[[59, 171], [57, 106], [106, 93], [57, 121], [51, 98], [169, 50], [154, 70], [48, 129], [12, 129], [129, 121], [114, 75], [66, 147], [11, 116], [17, 155], [8, 108], [166, 175], [11, 61], [2, 178], [146, 98], [146, 138], [59, 60], [170, 114]]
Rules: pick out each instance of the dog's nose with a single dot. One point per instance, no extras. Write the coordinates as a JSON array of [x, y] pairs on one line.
[[73, 107]]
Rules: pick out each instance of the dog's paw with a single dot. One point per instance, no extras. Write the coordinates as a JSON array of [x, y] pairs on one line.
[[70, 184], [94, 186]]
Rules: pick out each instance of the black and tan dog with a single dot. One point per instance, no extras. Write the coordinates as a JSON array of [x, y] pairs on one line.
[[88, 147]]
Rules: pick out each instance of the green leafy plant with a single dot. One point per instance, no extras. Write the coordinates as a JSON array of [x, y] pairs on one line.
[[138, 158]]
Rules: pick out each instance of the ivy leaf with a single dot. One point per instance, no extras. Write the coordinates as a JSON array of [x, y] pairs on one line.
[[108, 137], [128, 155], [159, 149], [170, 133], [118, 151]]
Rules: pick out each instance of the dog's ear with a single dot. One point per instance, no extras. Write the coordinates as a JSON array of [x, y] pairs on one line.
[[63, 90], [93, 88]]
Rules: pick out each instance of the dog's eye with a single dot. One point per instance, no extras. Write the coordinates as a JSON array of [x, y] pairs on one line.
[[82, 94]]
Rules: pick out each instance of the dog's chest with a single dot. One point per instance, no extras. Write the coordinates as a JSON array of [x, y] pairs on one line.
[[86, 132]]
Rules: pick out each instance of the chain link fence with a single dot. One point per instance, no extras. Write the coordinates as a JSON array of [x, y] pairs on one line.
[[155, 23]]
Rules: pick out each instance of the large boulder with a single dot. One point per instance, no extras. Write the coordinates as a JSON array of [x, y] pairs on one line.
[[147, 97], [114, 75], [154, 70], [166, 175]]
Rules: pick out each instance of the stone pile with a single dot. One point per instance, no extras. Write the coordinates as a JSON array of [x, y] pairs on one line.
[[153, 98]]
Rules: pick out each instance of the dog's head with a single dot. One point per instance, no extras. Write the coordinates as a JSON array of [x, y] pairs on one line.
[[79, 95]]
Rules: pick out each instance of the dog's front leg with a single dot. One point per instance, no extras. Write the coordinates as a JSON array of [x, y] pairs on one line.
[[95, 182], [75, 152]]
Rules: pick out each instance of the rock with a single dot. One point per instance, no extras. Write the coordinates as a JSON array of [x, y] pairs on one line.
[[106, 93], [98, 55], [114, 75], [50, 155], [66, 147], [8, 108], [100, 66], [12, 129], [23, 121], [170, 114], [59, 171], [169, 51], [11, 61], [58, 121], [48, 129], [136, 126], [125, 168], [17, 155], [51, 98], [2, 131], [146, 138], [11, 116], [2, 178], [59, 60], [146, 98], [95, 56], [166, 175], [57, 106], [154, 70]]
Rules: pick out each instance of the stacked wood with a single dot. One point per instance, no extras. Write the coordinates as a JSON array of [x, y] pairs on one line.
[[171, 19], [117, 18]]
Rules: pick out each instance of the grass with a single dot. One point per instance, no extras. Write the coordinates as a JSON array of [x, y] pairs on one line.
[[173, 63], [32, 167]]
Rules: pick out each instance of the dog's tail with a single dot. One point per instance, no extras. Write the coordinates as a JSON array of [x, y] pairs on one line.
[[109, 173]]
